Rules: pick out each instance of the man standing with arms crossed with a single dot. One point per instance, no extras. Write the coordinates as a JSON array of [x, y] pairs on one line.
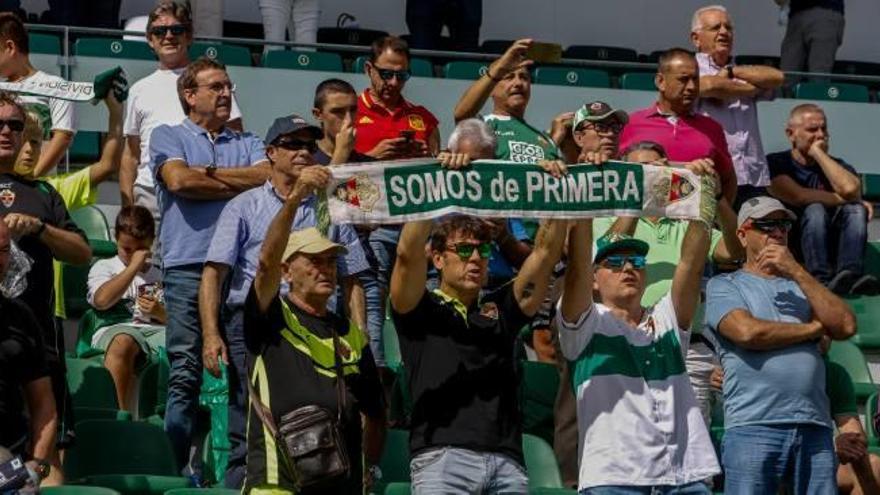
[[198, 166]]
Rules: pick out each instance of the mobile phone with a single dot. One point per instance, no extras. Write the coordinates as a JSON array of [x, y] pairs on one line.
[[544, 53], [408, 134], [148, 290]]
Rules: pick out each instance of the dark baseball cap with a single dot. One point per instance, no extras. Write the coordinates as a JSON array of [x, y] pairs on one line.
[[597, 111], [291, 124]]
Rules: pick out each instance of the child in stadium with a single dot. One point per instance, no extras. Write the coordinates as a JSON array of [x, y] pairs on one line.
[[126, 295]]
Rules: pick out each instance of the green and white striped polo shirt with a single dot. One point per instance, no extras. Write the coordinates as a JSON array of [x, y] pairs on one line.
[[638, 420]]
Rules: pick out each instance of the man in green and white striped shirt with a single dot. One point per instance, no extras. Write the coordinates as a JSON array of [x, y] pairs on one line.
[[639, 425]]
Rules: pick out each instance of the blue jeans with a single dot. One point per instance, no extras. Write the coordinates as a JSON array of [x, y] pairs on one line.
[[695, 488], [183, 341], [842, 230], [375, 306], [758, 459], [454, 470], [233, 332]]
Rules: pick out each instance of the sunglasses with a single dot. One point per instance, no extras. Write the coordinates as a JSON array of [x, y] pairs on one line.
[[768, 226], [14, 125], [389, 74], [618, 261], [161, 31], [297, 145], [465, 250]]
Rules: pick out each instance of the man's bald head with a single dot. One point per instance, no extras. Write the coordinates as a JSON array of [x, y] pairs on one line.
[[672, 56]]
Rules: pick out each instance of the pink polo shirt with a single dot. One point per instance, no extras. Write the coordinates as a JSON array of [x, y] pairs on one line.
[[685, 138]]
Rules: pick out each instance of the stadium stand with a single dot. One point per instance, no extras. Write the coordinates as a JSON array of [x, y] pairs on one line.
[[598, 52], [572, 76], [419, 67], [291, 59], [848, 355], [641, 81], [832, 91], [112, 48], [228, 54], [464, 70]]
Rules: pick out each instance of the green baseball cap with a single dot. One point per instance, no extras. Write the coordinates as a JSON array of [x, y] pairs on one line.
[[614, 241], [598, 111]]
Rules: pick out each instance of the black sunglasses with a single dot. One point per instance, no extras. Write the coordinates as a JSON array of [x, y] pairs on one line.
[[465, 250], [297, 145], [768, 226], [161, 31], [14, 125], [388, 74]]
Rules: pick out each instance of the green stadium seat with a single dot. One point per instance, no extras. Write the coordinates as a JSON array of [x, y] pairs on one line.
[[572, 76], [867, 309], [871, 187], [599, 52], [397, 489], [870, 412], [113, 48], [131, 457], [86, 147], [641, 81], [848, 355], [93, 222], [831, 91], [202, 491], [651, 58], [395, 458], [77, 490], [771, 60], [420, 67], [349, 36], [92, 413], [90, 384], [856, 67], [227, 54], [391, 345], [538, 387], [44, 43], [465, 70], [872, 259], [289, 59], [540, 463], [74, 279]]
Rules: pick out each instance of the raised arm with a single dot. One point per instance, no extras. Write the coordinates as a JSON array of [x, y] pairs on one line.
[[268, 277], [729, 249], [577, 289], [53, 151], [531, 283], [109, 161], [686, 280], [476, 95], [410, 270]]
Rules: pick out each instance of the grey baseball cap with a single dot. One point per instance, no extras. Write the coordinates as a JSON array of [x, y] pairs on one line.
[[290, 124], [760, 207]]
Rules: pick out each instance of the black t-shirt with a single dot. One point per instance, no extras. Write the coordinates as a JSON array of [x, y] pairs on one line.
[[796, 6], [806, 176], [461, 374], [22, 360], [294, 383], [40, 200]]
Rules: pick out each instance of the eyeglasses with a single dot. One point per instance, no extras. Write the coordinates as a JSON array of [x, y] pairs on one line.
[[161, 31], [603, 128], [218, 87], [388, 74], [14, 125], [297, 145], [618, 261], [767, 226], [465, 250]]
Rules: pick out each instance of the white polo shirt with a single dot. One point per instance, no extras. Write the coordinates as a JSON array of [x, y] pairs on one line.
[[638, 420]]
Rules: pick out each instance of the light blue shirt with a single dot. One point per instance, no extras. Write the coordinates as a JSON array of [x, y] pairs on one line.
[[188, 224], [780, 386], [243, 225]]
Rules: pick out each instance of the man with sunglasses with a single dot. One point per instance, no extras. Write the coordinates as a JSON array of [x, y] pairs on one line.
[[767, 319], [40, 225], [639, 425], [198, 166], [152, 101], [58, 116], [235, 250], [827, 193], [458, 353]]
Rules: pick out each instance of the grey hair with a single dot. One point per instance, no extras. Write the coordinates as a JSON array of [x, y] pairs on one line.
[[644, 146], [696, 23], [474, 130]]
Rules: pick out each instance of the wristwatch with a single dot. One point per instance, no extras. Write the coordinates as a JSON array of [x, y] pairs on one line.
[[43, 468], [210, 169], [729, 69]]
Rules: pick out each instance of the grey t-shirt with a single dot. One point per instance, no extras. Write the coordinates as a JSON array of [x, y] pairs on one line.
[[785, 385]]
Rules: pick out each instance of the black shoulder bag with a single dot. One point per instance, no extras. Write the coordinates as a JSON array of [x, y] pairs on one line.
[[309, 437]]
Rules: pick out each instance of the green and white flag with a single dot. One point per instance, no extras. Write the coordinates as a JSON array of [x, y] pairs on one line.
[[75, 91], [398, 192]]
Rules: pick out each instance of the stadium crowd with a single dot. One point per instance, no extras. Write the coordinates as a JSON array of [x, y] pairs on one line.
[[227, 261]]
